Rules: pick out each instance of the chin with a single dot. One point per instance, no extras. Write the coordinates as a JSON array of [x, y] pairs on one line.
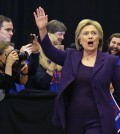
[[113, 53], [9, 40]]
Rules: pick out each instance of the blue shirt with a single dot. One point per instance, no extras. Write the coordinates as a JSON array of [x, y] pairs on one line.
[[119, 60], [18, 88]]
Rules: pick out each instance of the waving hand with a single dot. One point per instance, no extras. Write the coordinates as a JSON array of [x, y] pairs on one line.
[[41, 21]]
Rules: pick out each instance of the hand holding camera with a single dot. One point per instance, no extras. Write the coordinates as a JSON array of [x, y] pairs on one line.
[[12, 57], [14, 60]]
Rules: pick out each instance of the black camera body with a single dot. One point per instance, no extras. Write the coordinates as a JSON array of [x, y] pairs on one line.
[[16, 68], [22, 55]]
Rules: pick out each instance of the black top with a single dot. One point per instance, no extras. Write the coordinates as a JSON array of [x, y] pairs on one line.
[[40, 80], [82, 103]]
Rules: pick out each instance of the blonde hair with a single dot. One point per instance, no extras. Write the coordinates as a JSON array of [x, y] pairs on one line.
[[4, 45], [84, 23], [44, 61]]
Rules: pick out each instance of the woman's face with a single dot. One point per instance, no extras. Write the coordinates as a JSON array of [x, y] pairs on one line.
[[89, 38], [5, 53]]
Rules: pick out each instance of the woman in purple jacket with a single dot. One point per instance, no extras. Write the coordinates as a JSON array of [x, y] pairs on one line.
[[83, 104]]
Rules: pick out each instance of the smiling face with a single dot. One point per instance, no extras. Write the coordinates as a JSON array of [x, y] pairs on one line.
[[89, 38], [60, 36], [114, 46]]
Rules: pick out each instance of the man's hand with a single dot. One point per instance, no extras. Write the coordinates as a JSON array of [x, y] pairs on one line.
[[27, 48]]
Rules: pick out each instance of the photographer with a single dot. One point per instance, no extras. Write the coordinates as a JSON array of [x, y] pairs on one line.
[[11, 69]]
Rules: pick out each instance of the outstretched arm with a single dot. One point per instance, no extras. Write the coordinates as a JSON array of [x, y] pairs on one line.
[[55, 55], [41, 21]]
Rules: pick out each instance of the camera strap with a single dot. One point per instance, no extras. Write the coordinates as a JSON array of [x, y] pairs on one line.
[[7, 55]]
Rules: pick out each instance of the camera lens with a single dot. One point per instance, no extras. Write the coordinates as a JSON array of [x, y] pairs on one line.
[[23, 56]]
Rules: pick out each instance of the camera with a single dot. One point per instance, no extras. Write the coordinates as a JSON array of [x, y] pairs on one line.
[[22, 55]]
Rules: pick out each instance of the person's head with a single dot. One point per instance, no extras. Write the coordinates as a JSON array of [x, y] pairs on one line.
[[44, 61], [114, 44], [5, 49], [43, 58], [6, 29], [58, 28], [72, 46], [89, 35]]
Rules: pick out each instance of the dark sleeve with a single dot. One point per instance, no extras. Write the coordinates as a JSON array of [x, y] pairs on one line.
[[40, 80], [116, 84], [6, 82], [54, 54], [33, 63]]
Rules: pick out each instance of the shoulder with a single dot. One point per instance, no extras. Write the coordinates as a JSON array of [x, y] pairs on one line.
[[72, 51], [107, 56]]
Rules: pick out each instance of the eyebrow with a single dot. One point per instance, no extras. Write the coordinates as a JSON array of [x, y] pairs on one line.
[[10, 29]]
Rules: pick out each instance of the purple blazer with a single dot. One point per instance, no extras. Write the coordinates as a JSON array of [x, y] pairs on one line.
[[105, 71]]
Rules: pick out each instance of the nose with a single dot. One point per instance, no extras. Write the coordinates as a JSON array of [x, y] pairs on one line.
[[62, 37], [11, 32], [90, 36], [115, 45]]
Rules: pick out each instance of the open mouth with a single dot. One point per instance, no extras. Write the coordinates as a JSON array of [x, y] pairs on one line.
[[90, 43], [114, 51]]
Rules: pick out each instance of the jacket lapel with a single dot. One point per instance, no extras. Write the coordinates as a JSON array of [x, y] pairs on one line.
[[76, 59], [99, 63], [71, 72]]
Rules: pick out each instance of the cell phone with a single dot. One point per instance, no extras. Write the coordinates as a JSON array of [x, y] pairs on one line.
[[31, 38]]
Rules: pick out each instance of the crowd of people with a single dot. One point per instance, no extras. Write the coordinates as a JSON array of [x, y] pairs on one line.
[[6, 33], [82, 76]]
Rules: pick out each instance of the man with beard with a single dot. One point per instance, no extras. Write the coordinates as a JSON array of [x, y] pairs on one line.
[[114, 49], [114, 45]]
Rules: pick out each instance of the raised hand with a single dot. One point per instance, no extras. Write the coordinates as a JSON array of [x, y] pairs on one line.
[[11, 58], [40, 18]]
